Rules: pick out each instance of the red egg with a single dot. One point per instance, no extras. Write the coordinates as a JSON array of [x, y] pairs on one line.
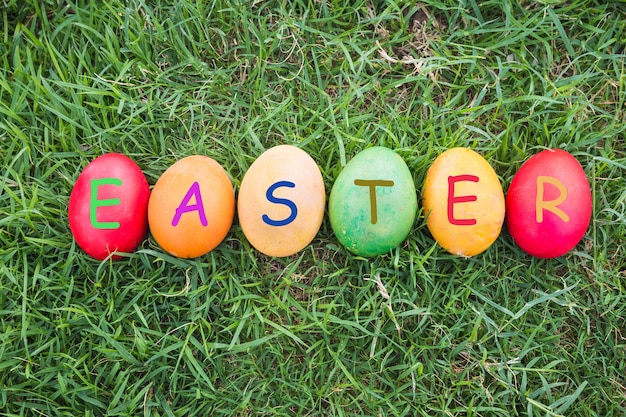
[[108, 207], [548, 205]]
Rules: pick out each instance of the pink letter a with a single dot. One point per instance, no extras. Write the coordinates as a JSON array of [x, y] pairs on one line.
[[184, 206]]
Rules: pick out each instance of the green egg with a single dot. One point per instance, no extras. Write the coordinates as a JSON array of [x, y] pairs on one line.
[[373, 202]]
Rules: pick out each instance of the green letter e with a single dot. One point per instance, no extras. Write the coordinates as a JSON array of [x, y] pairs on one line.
[[94, 203]]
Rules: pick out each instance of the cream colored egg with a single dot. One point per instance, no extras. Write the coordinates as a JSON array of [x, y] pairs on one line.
[[281, 201]]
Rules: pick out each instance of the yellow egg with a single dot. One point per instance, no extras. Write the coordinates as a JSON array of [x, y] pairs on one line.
[[281, 201], [463, 202]]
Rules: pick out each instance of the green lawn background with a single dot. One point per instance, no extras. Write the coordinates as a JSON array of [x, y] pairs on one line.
[[414, 332]]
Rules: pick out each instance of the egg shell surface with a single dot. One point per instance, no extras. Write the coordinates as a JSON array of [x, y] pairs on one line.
[[463, 202], [548, 204], [373, 202], [107, 209], [281, 201], [192, 206]]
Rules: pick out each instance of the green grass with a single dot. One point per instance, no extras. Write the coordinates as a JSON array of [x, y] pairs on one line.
[[414, 332]]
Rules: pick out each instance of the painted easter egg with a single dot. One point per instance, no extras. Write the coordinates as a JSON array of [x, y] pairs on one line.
[[192, 206], [548, 204], [281, 201], [373, 202], [107, 206], [463, 202]]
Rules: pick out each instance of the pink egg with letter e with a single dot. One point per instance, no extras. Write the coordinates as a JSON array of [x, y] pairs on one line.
[[108, 206]]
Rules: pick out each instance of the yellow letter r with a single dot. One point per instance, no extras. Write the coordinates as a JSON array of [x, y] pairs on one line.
[[550, 205]]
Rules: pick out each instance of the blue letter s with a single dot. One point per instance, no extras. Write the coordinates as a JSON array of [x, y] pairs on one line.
[[270, 197]]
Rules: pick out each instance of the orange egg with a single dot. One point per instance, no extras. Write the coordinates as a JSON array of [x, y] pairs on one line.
[[281, 201], [191, 207], [463, 202]]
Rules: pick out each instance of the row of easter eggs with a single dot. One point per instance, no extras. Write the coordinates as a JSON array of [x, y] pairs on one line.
[[372, 204]]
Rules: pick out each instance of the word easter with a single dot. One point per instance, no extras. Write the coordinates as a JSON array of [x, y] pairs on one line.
[[372, 205]]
